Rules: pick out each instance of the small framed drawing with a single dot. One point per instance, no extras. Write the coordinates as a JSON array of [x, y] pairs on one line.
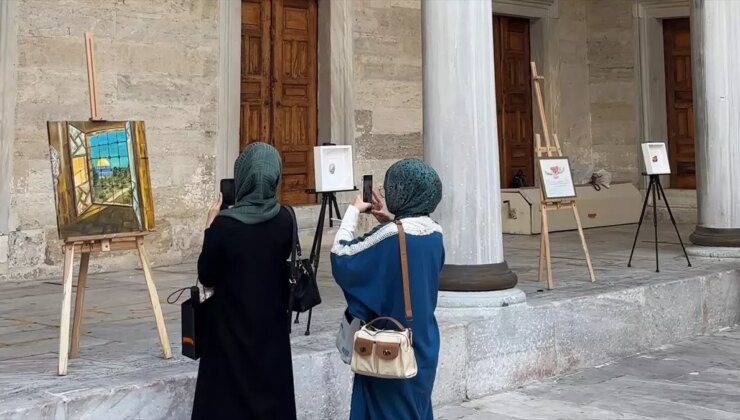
[[655, 156], [333, 168], [557, 181]]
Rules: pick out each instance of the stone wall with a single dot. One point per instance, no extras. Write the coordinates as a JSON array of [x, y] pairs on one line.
[[612, 87], [592, 87], [388, 84], [388, 87], [156, 61], [567, 77]]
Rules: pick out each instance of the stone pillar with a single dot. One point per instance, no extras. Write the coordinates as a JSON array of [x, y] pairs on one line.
[[461, 141], [715, 31]]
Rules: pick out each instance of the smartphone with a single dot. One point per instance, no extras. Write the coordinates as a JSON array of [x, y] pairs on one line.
[[367, 188], [228, 190]]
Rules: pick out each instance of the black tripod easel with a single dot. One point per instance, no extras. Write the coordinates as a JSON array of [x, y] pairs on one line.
[[655, 187], [328, 200]]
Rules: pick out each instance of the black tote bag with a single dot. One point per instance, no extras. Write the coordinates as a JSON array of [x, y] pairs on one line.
[[304, 291]]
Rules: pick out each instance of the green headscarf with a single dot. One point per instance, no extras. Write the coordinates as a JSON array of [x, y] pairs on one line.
[[256, 176], [412, 188]]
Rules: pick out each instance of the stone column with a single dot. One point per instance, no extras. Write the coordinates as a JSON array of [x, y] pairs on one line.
[[461, 141], [715, 31]]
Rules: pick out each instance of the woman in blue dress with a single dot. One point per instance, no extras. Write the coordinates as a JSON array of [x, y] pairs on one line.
[[368, 269]]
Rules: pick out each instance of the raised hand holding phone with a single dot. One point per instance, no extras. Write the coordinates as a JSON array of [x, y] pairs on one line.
[[367, 188], [379, 209]]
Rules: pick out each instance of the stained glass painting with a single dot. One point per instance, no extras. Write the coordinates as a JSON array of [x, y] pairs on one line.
[[101, 174]]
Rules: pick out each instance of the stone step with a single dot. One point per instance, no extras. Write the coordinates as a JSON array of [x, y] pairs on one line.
[[683, 207], [481, 353]]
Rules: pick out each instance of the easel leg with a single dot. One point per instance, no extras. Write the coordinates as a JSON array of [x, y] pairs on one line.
[[318, 235], [639, 223], [655, 227], [331, 212], [670, 213], [546, 235], [583, 242], [541, 266], [69, 254], [336, 206], [79, 305], [154, 297]]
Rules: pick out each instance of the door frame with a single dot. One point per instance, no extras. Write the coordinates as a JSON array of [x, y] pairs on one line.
[[543, 16], [504, 163], [335, 90], [650, 70]]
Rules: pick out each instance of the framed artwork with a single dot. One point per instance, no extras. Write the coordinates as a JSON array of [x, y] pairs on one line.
[[100, 174], [557, 181], [333, 168], [655, 156]]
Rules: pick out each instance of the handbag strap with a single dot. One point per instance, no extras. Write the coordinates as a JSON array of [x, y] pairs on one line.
[[295, 246], [405, 271], [398, 325]]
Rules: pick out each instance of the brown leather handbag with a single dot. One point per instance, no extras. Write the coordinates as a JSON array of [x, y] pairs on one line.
[[387, 353]]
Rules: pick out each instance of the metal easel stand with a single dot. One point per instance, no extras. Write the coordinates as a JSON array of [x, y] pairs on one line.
[[328, 200], [654, 187]]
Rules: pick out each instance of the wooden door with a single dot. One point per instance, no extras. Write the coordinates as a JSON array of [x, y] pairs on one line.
[[679, 102], [294, 92], [255, 73], [513, 98], [279, 81]]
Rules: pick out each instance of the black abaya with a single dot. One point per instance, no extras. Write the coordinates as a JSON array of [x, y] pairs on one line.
[[245, 368]]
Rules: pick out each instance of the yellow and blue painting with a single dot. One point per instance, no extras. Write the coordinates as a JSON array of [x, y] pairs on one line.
[[101, 173]]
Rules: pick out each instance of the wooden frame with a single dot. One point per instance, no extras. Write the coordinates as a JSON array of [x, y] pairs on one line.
[[543, 183], [656, 159], [69, 344], [547, 151]]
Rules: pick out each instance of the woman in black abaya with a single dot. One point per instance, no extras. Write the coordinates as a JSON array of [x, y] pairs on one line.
[[245, 368]]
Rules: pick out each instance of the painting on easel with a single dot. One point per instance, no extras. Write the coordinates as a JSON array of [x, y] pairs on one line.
[[100, 172]]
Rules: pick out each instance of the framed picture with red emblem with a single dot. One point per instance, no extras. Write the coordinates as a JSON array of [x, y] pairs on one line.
[[557, 180], [655, 156]]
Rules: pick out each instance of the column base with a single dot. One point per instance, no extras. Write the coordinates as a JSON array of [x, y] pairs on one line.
[[716, 252], [480, 300], [705, 236], [477, 278]]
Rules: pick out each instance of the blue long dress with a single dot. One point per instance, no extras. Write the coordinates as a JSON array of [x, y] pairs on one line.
[[368, 269]]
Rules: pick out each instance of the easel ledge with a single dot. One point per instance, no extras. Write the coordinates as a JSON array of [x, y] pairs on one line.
[[104, 243]]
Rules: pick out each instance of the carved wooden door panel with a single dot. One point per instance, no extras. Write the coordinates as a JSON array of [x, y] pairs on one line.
[[679, 102], [278, 89], [294, 94], [513, 98], [255, 72]]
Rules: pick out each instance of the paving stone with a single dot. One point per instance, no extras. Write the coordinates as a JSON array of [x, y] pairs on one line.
[[678, 382]]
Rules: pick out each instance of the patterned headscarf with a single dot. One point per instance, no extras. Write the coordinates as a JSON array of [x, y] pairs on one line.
[[412, 188], [256, 176]]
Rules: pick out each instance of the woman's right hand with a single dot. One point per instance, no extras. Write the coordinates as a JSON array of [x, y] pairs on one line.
[[380, 211]]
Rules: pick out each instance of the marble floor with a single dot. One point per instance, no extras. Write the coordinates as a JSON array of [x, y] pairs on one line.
[[698, 378], [119, 346]]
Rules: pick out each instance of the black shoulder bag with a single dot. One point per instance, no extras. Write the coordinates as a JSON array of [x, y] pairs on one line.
[[194, 324], [518, 181], [304, 291]]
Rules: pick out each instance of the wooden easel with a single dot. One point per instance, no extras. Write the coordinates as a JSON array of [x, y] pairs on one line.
[[551, 149], [84, 245]]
